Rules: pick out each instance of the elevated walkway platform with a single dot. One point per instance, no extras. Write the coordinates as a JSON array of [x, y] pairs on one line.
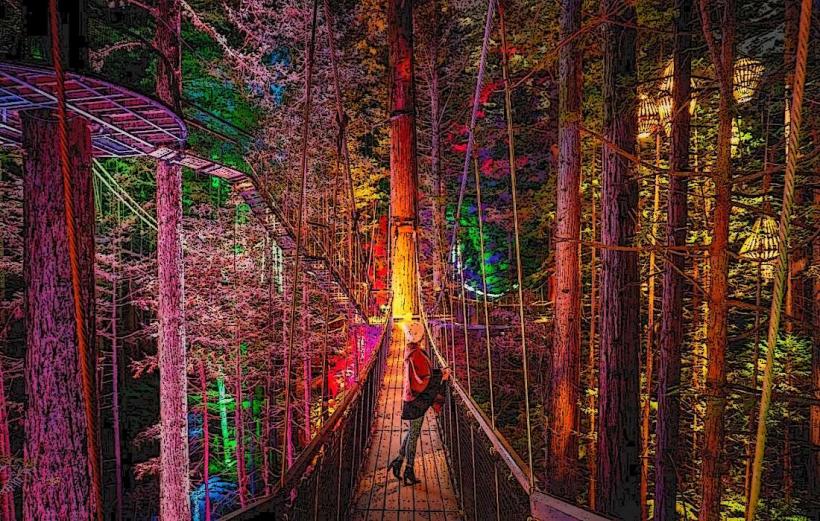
[[379, 495]]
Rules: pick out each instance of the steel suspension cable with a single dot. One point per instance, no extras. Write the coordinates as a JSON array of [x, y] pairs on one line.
[[74, 263], [517, 229], [781, 263], [486, 319], [299, 225], [482, 64], [479, 206]]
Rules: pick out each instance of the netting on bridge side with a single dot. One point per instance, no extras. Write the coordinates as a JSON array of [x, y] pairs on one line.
[[487, 488], [320, 483]]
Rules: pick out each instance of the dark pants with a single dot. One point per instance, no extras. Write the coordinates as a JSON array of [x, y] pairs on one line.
[[410, 440]]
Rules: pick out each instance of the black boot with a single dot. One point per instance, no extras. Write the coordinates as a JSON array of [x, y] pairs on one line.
[[395, 466], [410, 476]]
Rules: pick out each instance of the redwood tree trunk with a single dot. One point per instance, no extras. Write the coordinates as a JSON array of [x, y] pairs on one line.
[[618, 406], [174, 479], [814, 414], [565, 379], [58, 483], [716, 333], [674, 283], [403, 168]]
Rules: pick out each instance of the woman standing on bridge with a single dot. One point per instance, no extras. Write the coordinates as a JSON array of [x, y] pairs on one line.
[[423, 388]]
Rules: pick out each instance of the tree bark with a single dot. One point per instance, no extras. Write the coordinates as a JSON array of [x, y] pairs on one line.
[[403, 167], [814, 413], [674, 283], [115, 396], [206, 440], [565, 378], [716, 334], [174, 473], [619, 391], [7, 496], [58, 484]]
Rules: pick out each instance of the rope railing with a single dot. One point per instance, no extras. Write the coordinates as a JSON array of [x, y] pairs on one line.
[[321, 482]]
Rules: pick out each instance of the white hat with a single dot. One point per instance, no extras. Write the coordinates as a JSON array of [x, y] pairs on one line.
[[413, 331]]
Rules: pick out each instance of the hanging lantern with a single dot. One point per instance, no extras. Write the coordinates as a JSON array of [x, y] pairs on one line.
[[761, 245], [735, 138], [648, 119], [665, 112], [747, 78], [666, 84]]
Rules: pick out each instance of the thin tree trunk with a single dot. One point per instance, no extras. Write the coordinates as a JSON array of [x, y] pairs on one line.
[[650, 340], [174, 473], [716, 339], [565, 377], [403, 168], [58, 482], [592, 360], [619, 385], [206, 440], [674, 283], [115, 396], [814, 413], [239, 429], [7, 496]]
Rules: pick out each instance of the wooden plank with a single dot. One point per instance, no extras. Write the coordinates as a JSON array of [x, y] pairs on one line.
[[379, 495]]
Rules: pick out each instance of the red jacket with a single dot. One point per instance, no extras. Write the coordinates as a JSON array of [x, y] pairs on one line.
[[418, 369]]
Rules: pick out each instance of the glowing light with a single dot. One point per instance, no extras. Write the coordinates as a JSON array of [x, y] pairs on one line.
[[648, 117], [747, 78], [761, 244]]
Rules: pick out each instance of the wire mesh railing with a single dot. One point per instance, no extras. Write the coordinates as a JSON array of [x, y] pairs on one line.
[[320, 485]]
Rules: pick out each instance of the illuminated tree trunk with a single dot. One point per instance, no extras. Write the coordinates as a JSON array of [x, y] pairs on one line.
[[239, 429], [814, 413], [7, 496], [619, 386], [57, 484], [716, 334], [592, 360], [403, 168], [115, 397], [173, 381], [565, 379], [674, 282], [206, 440]]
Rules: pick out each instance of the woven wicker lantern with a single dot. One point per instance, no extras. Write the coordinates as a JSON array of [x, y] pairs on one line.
[[761, 245], [648, 118], [665, 99], [747, 78]]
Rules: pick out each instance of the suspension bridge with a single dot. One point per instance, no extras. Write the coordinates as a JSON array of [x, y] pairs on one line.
[[467, 468]]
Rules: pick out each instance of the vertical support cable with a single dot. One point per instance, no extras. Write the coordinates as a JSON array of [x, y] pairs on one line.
[[79, 319], [517, 229], [299, 226]]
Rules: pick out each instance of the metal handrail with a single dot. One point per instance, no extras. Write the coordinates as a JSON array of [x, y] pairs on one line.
[[282, 502]]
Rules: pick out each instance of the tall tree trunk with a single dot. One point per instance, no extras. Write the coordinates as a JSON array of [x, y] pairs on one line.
[[716, 338], [7, 496], [674, 282], [814, 413], [592, 358], [173, 385], [206, 440], [115, 393], [58, 484], [565, 377], [619, 387], [403, 168], [646, 411]]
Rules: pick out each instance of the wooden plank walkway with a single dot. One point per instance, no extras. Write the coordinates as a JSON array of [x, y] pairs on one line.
[[379, 496]]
